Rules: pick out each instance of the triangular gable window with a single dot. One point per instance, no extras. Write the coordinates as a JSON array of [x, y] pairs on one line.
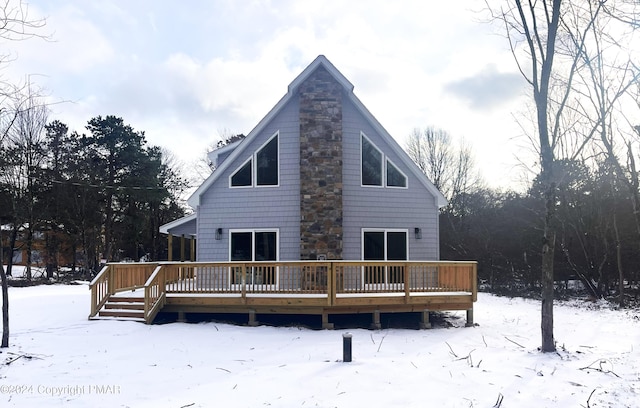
[[395, 178], [242, 176], [265, 172], [373, 173]]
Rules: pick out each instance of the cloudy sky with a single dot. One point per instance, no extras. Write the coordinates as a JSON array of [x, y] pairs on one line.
[[190, 72]]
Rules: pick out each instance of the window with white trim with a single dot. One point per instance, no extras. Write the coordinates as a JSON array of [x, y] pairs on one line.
[[250, 246], [376, 170], [395, 177], [384, 245], [262, 169]]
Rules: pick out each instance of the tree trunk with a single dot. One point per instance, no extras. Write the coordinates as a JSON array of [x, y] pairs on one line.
[[28, 274], [635, 196], [5, 306], [12, 244], [619, 259], [5, 299], [548, 252]]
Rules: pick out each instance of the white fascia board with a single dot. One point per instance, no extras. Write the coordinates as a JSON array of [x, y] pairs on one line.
[[164, 229]]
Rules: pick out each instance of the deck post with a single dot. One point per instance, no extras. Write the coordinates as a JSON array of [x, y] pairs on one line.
[[252, 318], [182, 242], [375, 324], [325, 321], [182, 317], [170, 247], [110, 281], [425, 322], [469, 318]]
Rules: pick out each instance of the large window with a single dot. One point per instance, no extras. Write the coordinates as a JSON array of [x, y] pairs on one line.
[[254, 245], [384, 245], [375, 170], [267, 164], [262, 169], [371, 164]]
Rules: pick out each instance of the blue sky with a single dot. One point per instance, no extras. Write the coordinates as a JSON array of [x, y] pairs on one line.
[[190, 72]]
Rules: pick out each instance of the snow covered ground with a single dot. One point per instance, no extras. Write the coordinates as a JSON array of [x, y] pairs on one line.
[[59, 358]]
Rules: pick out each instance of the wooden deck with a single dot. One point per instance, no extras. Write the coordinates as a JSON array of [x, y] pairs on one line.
[[304, 287]]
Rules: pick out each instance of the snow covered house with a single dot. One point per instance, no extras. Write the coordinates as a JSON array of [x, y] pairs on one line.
[[317, 178], [318, 210]]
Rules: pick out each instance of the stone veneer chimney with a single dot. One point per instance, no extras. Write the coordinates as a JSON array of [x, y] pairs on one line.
[[320, 166]]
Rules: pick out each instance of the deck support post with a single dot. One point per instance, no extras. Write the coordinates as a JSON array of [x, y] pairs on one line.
[[375, 324], [252, 318], [182, 317], [325, 321], [425, 322], [182, 242], [469, 318]]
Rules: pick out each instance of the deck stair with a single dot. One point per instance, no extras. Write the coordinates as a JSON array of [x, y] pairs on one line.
[[124, 307]]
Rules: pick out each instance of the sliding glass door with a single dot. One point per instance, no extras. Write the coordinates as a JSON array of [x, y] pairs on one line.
[[384, 245], [250, 246]]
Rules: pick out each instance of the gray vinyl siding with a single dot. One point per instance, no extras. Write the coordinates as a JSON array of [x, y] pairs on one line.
[[222, 157], [186, 229], [279, 207], [378, 207], [256, 207]]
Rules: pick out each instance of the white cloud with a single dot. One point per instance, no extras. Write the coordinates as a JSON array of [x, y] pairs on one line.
[[67, 25], [182, 74], [488, 88]]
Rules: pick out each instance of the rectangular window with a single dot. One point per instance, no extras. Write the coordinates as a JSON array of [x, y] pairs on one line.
[[384, 245], [265, 246], [241, 246]]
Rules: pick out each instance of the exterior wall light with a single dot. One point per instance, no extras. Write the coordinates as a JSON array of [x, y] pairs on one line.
[[218, 234], [418, 232]]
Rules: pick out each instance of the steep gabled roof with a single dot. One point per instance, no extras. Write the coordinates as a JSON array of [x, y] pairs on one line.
[[321, 60], [214, 155]]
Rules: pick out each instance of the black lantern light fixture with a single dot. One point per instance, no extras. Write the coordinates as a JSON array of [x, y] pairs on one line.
[[218, 234], [418, 232]]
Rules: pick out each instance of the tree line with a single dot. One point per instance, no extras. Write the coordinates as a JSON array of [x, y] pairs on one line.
[[597, 236], [99, 195]]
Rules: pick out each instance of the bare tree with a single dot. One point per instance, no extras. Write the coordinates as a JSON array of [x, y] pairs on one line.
[[547, 50], [24, 149], [15, 25], [450, 168]]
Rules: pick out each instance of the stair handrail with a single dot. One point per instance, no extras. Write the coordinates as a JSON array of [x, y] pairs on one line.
[[154, 299], [100, 288], [99, 275]]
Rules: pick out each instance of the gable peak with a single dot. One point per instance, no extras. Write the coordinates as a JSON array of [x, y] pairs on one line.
[[320, 61]]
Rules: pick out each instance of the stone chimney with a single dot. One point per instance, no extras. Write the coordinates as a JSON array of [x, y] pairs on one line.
[[320, 167]]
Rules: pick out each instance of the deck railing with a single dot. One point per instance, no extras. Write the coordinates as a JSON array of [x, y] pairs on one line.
[[117, 277], [313, 279], [154, 293]]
